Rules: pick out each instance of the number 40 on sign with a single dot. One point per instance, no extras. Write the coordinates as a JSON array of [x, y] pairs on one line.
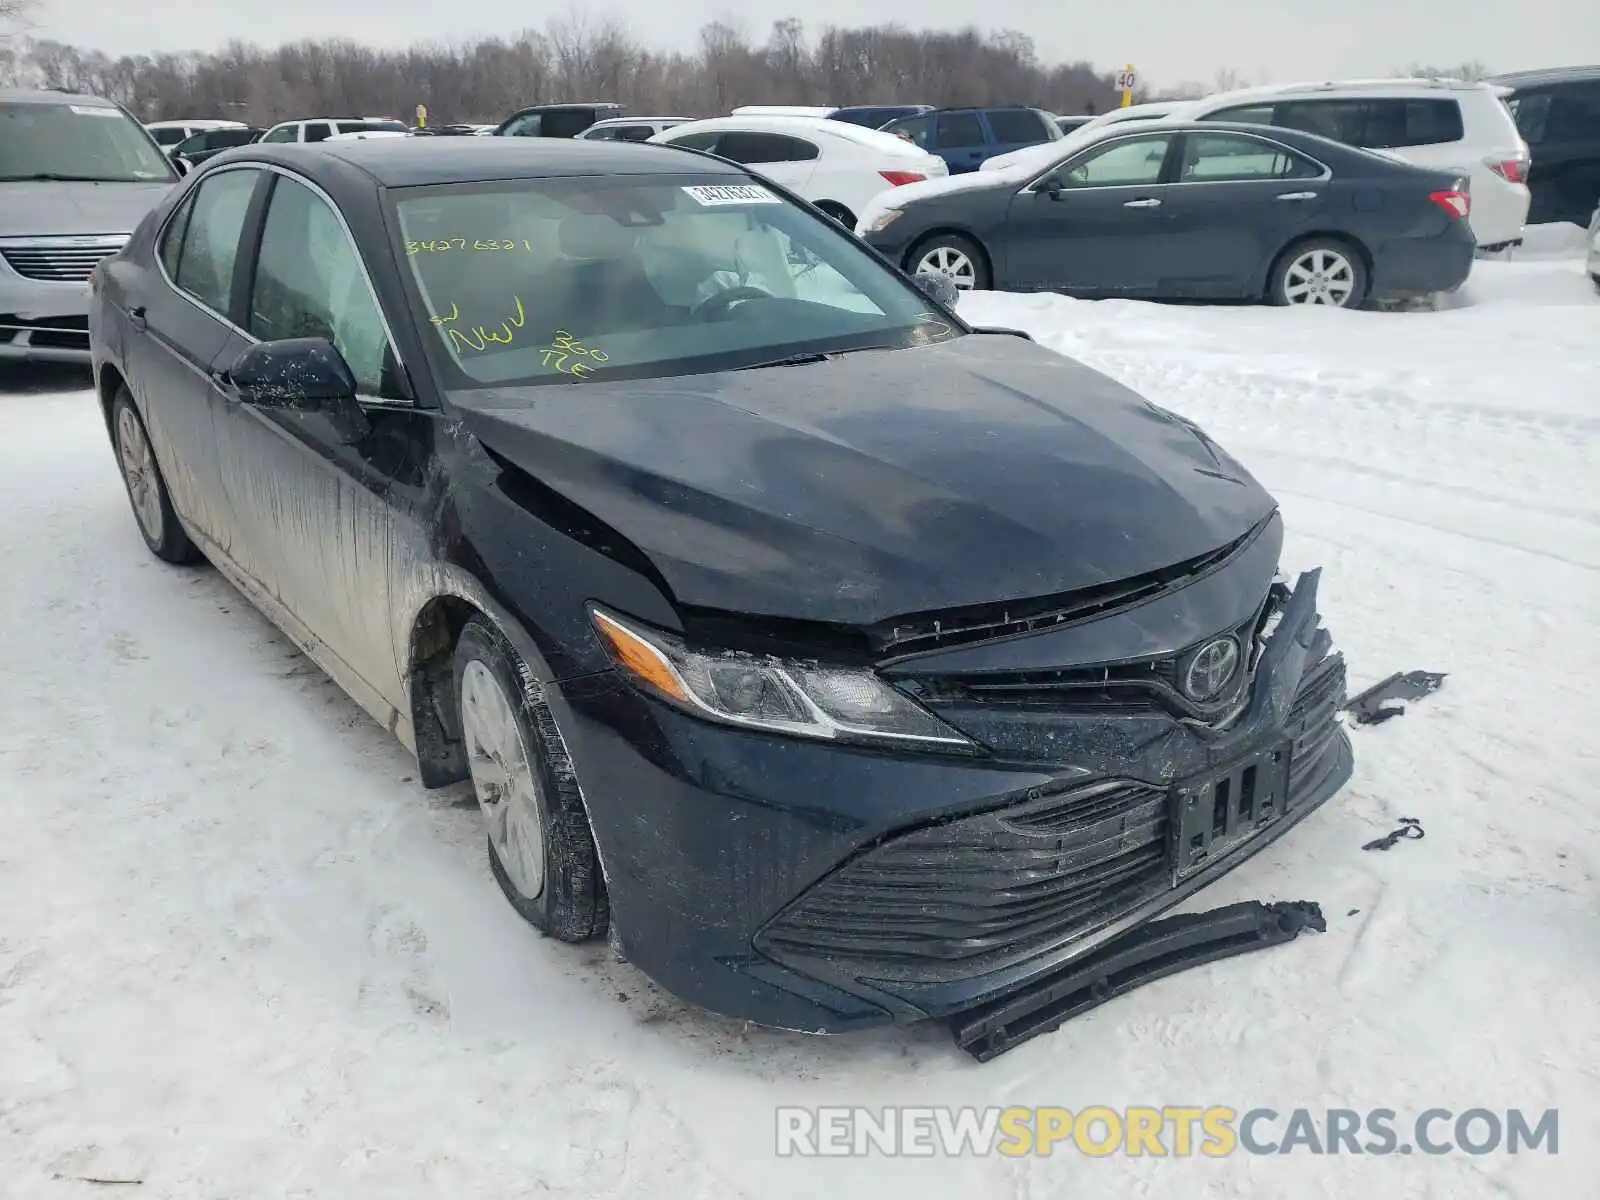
[[1126, 82]]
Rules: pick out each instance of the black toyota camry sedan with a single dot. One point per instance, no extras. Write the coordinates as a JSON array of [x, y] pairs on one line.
[[1193, 211], [847, 663]]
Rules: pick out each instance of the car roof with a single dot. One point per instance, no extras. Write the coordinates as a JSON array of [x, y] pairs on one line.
[[48, 96], [413, 162], [1548, 75], [637, 120]]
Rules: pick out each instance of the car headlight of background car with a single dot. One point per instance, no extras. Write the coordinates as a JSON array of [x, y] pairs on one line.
[[811, 700]]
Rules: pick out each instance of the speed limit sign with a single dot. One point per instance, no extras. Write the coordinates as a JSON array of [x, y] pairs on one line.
[[1127, 81]]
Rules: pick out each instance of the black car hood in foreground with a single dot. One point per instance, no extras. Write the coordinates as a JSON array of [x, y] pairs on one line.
[[881, 483]]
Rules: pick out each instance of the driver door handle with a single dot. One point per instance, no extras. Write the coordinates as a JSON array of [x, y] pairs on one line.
[[136, 316], [1149, 203], [1297, 196]]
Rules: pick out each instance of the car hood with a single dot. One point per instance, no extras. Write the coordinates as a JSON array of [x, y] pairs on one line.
[[43, 209], [882, 483]]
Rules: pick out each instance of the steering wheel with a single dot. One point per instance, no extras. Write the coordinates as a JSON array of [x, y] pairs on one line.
[[716, 307]]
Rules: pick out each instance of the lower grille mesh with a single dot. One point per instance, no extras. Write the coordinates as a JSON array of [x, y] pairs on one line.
[[960, 898]]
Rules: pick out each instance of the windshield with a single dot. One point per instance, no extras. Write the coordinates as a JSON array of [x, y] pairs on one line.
[[550, 281], [77, 141]]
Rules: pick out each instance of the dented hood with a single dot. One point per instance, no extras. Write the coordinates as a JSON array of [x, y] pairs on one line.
[[881, 483]]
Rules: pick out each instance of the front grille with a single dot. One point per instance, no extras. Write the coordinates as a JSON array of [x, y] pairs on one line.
[[58, 262], [1143, 685], [964, 897]]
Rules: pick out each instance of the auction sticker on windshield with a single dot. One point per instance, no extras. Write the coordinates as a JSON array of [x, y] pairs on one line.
[[731, 193]]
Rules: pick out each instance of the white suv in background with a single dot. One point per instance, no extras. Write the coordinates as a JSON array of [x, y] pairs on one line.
[[322, 128], [1442, 124], [833, 164]]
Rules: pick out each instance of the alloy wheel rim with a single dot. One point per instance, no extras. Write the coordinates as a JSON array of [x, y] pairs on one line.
[[952, 264], [503, 778], [1320, 276], [139, 472]]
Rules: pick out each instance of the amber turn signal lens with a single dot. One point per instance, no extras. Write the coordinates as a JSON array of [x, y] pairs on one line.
[[640, 659]]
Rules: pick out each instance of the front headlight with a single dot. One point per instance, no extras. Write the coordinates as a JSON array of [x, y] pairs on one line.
[[802, 699], [882, 221]]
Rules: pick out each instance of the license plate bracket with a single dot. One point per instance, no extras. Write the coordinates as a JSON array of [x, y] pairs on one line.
[[1213, 813]]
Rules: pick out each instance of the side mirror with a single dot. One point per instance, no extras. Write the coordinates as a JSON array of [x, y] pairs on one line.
[[301, 375], [182, 165], [1052, 187], [939, 288]]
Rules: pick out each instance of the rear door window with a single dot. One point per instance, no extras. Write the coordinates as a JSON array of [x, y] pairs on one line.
[[567, 124], [1342, 120], [1016, 125], [1224, 158], [1574, 114], [1394, 124], [211, 239], [318, 131], [956, 131], [751, 148]]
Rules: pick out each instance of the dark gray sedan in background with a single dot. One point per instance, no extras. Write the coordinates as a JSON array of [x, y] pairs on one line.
[[1210, 211]]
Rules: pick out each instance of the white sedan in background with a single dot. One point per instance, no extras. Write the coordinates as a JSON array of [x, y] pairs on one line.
[[837, 166]]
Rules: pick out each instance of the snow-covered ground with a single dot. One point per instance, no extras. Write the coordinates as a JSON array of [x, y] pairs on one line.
[[243, 955]]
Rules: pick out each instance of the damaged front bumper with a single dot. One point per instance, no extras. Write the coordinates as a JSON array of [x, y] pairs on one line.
[[826, 888]]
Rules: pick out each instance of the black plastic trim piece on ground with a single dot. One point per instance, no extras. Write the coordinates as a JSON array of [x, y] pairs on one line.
[[1151, 952]]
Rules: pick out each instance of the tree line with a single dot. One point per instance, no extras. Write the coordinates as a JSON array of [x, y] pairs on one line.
[[572, 58]]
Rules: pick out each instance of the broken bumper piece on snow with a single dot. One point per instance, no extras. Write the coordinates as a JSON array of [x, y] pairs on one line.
[[1150, 952]]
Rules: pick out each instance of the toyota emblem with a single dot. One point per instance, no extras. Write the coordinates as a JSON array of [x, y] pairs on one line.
[[1211, 668]]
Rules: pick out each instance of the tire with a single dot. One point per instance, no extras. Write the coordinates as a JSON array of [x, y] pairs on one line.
[[962, 259], [147, 490], [1322, 272], [547, 867], [839, 213]]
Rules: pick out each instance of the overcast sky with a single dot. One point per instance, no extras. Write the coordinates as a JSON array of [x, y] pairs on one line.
[[1167, 40]]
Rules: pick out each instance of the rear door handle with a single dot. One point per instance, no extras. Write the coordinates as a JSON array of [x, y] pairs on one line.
[[136, 316], [1297, 196], [1142, 204]]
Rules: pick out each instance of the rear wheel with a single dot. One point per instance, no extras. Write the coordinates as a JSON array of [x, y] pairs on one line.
[[957, 258], [541, 849], [1321, 272], [838, 212], [147, 490]]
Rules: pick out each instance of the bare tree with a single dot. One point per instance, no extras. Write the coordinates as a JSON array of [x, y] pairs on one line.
[[575, 57], [1470, 71], [10, 10]]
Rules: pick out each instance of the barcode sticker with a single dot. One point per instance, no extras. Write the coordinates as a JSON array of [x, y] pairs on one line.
[[731, 193]]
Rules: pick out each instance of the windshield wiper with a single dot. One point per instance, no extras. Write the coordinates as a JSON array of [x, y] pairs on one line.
[[813, 356], [791, 360]]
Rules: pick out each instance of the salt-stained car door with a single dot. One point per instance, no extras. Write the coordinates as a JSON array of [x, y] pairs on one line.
[[311, 504]]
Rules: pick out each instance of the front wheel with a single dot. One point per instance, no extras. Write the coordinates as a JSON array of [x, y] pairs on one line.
[[147, 490], [541, 849], [957, 258], [1319, 272]]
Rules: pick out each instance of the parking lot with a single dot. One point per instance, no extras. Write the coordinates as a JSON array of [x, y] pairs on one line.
[[209, 849]]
